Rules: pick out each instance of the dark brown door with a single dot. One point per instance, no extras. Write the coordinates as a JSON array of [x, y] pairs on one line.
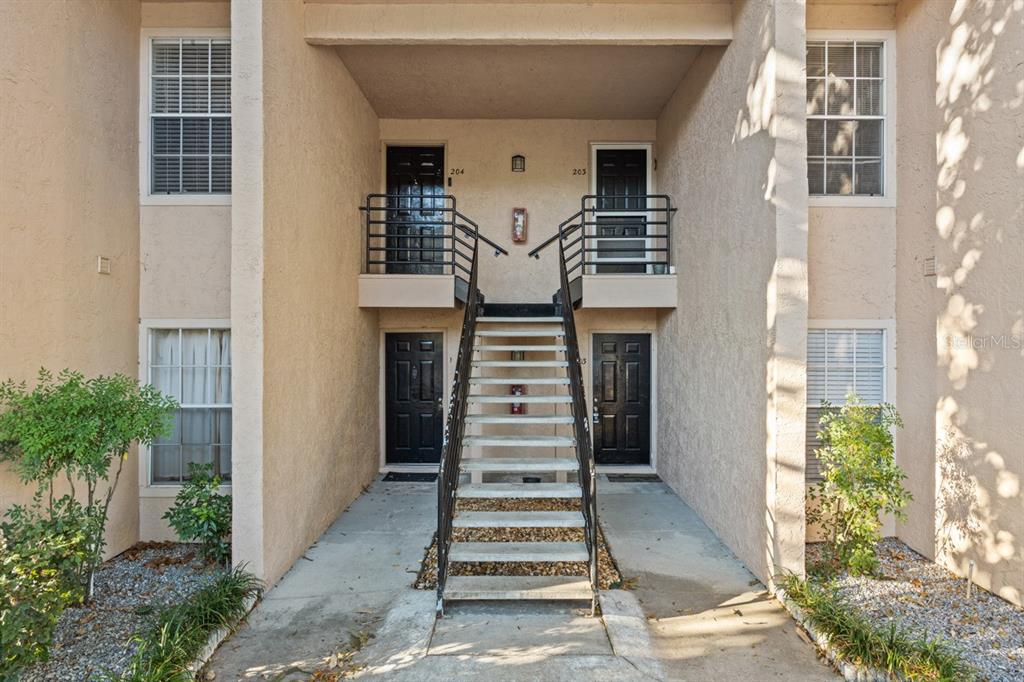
[[621, 178], [416, 176], [622, 398], [413, 397]]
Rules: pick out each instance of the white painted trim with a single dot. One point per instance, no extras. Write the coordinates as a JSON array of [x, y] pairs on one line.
[[383, 466], [888, 327], [588, 381], [891, 129], [147, 489], [145, 54]]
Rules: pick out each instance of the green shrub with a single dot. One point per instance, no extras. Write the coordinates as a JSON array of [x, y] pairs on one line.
[[42, 552], [861, 481], [888, 647], [200, 513], [73, 428], [180, 632]]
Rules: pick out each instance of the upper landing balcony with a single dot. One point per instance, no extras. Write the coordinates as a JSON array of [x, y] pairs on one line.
[[419, 251], [617, 251]]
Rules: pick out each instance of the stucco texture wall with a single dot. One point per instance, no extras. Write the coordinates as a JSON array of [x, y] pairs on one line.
[[318, 357], [961, 170], [68, 188], [730, 149], [488, 190]]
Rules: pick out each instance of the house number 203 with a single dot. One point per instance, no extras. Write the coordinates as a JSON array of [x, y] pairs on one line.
[[579, 171]]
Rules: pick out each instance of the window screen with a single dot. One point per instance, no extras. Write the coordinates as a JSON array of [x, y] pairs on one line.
[[194, 367], [190, 116], [840, 362], [845, 118]]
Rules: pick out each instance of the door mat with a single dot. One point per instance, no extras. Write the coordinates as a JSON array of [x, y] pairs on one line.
[[410, 476], [634, 478]]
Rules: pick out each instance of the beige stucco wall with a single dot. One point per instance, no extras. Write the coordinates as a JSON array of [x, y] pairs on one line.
[[489, 190], [730, 415], [961, 173], [184, 250], [316, 406], [68, 188]]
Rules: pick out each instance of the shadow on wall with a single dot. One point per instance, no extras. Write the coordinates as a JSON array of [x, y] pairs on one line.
[[980, 89]]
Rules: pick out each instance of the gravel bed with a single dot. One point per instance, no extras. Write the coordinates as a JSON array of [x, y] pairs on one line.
[[130, 589], [927, 599], [608, 573]]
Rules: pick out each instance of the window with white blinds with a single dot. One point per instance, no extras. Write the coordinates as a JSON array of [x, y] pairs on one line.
[[194, 367], [190, 116], [846, 118], [841, 362]]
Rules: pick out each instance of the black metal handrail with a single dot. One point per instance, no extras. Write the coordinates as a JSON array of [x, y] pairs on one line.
[[412, 234], [451, 458], [581, 421], [585, 236]]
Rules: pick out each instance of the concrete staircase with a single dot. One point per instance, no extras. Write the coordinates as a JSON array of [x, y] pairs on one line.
[[519, 457]]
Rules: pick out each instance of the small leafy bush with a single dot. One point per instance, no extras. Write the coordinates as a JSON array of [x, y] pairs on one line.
[[861, 481], [888, 647], [200, 513], [72, 428], [41, 558], [180, 632]]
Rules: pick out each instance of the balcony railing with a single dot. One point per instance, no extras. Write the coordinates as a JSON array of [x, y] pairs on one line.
[[627, 234], [420, 235]]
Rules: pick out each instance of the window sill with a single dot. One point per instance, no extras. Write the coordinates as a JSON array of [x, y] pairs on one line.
[[171, 490], [185, 200], [851, 202]]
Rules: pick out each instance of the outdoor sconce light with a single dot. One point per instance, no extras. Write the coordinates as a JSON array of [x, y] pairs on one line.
[[518, 163]]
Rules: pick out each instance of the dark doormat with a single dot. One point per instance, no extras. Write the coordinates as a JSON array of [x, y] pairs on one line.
[[634, 478], [408, 477]]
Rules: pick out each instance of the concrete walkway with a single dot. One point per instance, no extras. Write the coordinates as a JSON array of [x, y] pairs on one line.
[[695, 612]]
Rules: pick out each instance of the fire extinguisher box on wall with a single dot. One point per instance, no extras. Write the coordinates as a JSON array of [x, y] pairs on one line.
[[517, 408], [519, 225]]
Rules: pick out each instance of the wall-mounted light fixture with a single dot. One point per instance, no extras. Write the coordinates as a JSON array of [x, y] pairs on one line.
[[518, 163]]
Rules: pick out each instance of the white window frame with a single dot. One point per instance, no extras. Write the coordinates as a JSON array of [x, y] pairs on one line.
[[146, 487], [145, 102], [649, 215], [889, 124], [888, 328]]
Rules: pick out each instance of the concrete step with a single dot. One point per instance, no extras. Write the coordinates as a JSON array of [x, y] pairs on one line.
[[553, 348], [525, 320], [496, 381], [511, 464], [520, 363], [509, 491], [539, 331], [520, 398], [504, 587], [518, 441], [544, 519], [518, 551], [518, 419]]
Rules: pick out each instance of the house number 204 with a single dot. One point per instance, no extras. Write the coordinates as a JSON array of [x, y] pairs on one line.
[[457, 171]]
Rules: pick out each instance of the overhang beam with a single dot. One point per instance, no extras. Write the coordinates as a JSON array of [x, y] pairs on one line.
[[519, 24]]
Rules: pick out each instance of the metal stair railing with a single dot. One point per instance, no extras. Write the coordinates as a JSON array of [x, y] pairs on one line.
[[451, 458]]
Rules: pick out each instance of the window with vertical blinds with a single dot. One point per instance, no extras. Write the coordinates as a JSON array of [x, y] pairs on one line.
[[190, 116], [194, 367], [841, 362], [845, 118]]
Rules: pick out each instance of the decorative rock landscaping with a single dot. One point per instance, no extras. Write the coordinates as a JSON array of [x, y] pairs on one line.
[[94, 640], [925, 598]]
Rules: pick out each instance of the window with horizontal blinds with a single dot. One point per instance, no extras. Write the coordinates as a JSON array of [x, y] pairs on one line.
[[845, 118], [190, 116], [193, 366], [841, 362]]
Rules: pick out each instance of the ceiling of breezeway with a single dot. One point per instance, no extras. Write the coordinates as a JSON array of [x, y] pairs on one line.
[[501, 81]]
